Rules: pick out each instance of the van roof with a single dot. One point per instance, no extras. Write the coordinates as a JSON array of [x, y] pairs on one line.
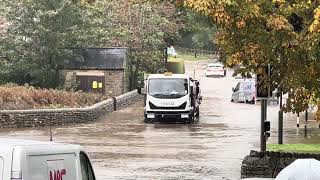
[[39, 147], [22, 142], [246, 80]]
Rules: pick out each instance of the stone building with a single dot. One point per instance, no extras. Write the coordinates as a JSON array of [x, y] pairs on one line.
[[98, 70]]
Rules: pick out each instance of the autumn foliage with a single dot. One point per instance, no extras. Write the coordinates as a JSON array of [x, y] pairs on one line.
[[283, 33]]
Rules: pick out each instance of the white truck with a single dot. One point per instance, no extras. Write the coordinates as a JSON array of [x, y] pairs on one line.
[[36, 160], [171, 97]]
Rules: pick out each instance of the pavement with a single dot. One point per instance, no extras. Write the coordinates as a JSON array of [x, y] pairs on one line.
[[122, 146]]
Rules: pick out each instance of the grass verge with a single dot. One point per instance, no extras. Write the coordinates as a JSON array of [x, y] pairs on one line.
[[189, 57], [304, 148]]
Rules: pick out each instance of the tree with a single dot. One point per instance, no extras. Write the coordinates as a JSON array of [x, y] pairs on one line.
[[142, 26], [198, 30], [38, 33], [280, 32]]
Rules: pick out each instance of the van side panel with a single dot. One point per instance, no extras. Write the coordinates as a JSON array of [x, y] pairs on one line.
[[52, 167], [6, 158], [19, 163]]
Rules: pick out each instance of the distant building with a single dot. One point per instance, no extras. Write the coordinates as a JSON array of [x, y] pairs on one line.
[[98, 70]]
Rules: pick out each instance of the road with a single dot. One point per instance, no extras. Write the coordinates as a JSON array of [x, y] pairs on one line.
[[123, 147]]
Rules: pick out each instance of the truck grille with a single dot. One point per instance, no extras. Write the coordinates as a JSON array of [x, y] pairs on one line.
[[183, 106]]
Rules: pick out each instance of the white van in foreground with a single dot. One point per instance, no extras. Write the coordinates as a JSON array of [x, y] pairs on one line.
[[36, 160]]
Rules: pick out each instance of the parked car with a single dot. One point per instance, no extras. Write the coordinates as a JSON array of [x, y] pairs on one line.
[[36, 160], [215, 69], [245, 91]]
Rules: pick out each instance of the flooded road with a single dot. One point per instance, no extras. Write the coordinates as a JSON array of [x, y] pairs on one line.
[[123, 147]]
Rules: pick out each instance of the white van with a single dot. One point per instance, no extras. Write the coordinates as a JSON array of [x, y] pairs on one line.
[[245, 91], [35, 160]]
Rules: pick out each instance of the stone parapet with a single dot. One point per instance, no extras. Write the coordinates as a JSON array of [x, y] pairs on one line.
[[45, 117], [269, 164]]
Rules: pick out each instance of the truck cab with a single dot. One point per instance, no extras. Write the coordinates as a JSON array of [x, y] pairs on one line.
[[36, 160], [171, 97]]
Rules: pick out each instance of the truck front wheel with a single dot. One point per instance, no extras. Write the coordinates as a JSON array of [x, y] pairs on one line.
[[189, 120], [147, 120]]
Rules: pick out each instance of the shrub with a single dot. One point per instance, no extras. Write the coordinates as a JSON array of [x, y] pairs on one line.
[[13, 97]]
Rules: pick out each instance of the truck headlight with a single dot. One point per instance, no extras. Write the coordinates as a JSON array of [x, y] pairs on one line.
[[151, 116], [183, 116]]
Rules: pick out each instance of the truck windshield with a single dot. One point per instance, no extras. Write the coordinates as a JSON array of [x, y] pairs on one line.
[[167, 88]]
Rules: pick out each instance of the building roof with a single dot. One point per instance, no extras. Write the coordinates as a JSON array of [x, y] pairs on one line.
[[98, 58]]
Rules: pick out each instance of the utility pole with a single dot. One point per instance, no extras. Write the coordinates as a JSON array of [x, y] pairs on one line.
[[280, 122], [262, 139], [305, 124], [50, 129], [265, 126], [269, 82], [298, 120], [165, 54], [263, 70]]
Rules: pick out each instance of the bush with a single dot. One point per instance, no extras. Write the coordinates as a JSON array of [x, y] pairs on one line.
[[13, 97]]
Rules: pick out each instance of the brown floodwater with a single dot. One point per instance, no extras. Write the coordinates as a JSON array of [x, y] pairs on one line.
[[122, 146]]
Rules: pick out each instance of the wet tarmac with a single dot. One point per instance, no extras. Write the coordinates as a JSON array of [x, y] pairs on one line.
[[122, 146]]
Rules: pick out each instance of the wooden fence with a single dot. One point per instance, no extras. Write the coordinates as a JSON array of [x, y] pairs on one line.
[[197, 52]]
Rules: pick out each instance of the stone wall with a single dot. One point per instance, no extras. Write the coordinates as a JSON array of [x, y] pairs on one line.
[[269, 164], [45, 117]]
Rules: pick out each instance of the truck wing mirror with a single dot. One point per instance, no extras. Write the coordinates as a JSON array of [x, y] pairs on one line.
[[140, 87], [141, 91], [197, 83], [186, 85], [233, 89]]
